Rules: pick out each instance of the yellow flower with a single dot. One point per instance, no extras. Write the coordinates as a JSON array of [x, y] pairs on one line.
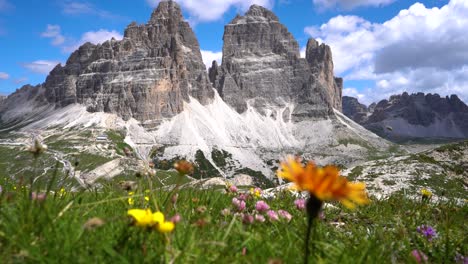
[[145, 218], [141, 217], [131, 201], [325, 183], [257, 192], [426, 193], [147, 198], [165, 227]]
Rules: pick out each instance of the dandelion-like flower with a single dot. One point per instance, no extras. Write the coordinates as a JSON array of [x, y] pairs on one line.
[[325, 183], [426, 194], [37, 147], [428, 231]]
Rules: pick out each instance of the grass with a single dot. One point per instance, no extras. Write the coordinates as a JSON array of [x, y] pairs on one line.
[[383, 232]]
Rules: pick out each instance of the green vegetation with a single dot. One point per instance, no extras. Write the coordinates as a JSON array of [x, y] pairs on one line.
[[57, 228], [355, 173], [118, 137]]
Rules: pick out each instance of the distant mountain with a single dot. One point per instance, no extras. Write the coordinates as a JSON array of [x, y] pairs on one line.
[[262, 102], [405, 117]]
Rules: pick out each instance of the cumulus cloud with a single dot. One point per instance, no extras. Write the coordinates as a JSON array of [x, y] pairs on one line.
[[210, 56], [210, 10], [420, 49], [40, 66], [349, 4], [54, 32], [4, 76], [95, 37]]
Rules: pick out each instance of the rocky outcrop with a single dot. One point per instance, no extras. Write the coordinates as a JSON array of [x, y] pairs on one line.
[[147, 75], [2, 98], [262, 68], [420, 115], [354, 110]]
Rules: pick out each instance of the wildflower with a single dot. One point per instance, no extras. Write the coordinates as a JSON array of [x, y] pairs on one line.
[[284, 215], [1, 189], [225, 212], [38, 196], [259, 218], [239, 204], [232, 189], [261, 206], [419, 256], [93, 223], [300, 204], [174, 198], [426, 194], [130, 199], [143, 218], [243, 196], [323, 184], [256, 192], [176, 218], [147, 198], [460, 259], [272, 216], [37, 147], [201, 209], [428, 231], [62, 192], [247, 219], [184, 167]]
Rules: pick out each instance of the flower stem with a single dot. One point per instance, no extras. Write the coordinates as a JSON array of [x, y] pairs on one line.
[[313, 206]]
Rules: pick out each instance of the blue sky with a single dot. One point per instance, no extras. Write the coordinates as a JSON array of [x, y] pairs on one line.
[[376, 45]]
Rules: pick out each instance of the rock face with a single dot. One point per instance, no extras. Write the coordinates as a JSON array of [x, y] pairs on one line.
[[262, 68], [354, 110], [147, 75], [415, 116]]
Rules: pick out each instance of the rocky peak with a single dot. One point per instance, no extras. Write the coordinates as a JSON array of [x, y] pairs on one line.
[[354, 110], [320, 59], [166, 10], [262, 68], [147, 75]]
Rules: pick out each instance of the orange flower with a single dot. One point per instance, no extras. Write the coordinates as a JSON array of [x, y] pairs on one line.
[[184, 167], [325, 183]]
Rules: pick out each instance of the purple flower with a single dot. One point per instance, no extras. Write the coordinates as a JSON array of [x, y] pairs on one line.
[[300, 204], [460, 259], [284, 215], [176, 218], [272, 216], [243, 196], [247, 219], [259, 218], [261, 206], [38, 196], [239, 204], [428, 231], [419, 256]]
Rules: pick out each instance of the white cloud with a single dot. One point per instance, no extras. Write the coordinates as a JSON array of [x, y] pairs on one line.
[[20, 80], [349, 4], [353, 92], [40, 66], [420, 49], [54, 32], [4, 76], [210, 10], [210, 56], [95, 37], [85, 8]]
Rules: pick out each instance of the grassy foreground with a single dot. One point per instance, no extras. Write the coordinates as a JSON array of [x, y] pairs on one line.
[[58, 229]]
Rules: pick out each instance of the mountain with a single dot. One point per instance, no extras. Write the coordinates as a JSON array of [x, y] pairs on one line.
[[261, 67], [147, 75], [405, 117], [153, 90]]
